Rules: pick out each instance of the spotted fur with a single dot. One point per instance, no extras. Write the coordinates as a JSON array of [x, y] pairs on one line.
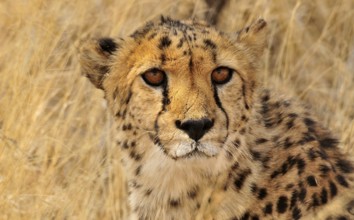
[[265, 157]]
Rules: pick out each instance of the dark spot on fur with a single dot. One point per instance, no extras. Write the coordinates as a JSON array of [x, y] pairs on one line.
[[308, 137], [193, 193], [237, 143], [235, 166], [342, 217], [127, 127], [294, 197], [198, 205], [107, 45], [265, 161], [288, 143], [209, 200], [345, 166], [328, 142], [255, 217], [266, 96], [255, 155], [282, 204], [194, 36], [324, 169], [138, 170], [261, 140], [296, 213], [174, 203], [135, 156], [240, 179], [209, 43], [293, 115], [311, 180], [274, 174], [163, 59], [285, 167], [102, 69], [152, 36], [165, 42], [333, 189], [245, 216], [289, 186], [180, 43], [324, 196], [315, 200], [125, 145], [244, 118], [214, 55], [148, 192], [302, 194], [309, 122], [342, 181], [254, 188], [300, 165], [290, 124], [268, 209], [311, 154], [262, 193], [322, 154]]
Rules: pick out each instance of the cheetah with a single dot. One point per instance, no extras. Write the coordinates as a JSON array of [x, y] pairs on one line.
[[201, 138]]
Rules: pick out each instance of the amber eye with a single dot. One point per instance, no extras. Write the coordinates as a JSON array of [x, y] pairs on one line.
[[221, 75], [154, 77]]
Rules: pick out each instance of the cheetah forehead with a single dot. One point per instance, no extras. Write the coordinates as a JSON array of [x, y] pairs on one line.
[[172, 41]]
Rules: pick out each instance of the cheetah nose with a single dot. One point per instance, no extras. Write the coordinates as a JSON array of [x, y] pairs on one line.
[[195, 128]]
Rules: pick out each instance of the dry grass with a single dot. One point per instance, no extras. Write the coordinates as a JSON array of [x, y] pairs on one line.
[[55, 157]]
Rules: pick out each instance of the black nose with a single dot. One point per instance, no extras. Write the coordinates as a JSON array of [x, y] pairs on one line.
[[195, 128]]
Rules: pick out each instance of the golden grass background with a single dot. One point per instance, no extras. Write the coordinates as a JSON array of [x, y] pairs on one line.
[[56, 161]]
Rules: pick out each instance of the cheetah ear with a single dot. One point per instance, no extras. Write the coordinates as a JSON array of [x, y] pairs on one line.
[[254, 36], [95, 57]]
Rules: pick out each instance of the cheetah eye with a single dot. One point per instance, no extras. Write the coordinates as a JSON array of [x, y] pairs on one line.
[[154, 77], [221, 75]]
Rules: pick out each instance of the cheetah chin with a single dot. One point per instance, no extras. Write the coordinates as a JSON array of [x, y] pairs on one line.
[[194, 150]]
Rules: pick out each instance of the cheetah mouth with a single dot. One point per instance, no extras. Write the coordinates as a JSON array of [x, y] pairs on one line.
[[196, 150], [195, 154]]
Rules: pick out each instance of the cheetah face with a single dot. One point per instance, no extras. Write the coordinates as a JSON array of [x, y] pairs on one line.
[[184, 85]]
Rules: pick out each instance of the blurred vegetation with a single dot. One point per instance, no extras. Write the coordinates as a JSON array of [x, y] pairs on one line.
[[56, 160]]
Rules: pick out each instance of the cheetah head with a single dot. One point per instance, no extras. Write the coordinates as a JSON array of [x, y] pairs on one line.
[[181, 86]]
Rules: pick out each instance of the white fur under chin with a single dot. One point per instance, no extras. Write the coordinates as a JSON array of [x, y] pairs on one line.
[[208, 148], [184, 148]]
